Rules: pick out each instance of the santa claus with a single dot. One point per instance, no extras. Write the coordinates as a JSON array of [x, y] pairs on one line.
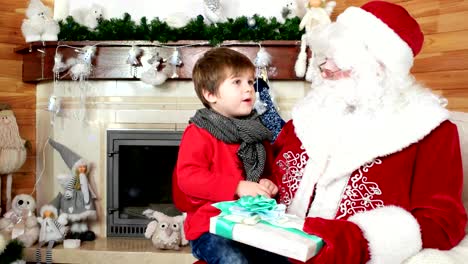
[[369, 158]]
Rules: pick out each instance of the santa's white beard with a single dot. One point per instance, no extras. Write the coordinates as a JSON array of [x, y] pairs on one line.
[[351, 105], [359, 94]]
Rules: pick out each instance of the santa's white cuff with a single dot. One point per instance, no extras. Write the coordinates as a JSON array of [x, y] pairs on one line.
[[392, 232]]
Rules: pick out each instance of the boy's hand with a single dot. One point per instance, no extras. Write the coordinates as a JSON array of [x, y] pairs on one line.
[[251, 188], [271, 187]]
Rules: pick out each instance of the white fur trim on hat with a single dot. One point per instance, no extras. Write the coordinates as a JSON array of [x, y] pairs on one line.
[[392, 232], [51, 208], [380, 39]]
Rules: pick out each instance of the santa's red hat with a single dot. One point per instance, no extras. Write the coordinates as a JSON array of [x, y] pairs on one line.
[[389, 32]]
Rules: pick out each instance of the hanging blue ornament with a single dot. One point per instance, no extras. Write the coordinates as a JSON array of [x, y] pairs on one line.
[[270, 117]]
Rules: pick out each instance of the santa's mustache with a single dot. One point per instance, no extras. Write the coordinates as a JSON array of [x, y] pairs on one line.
[[357, 92]]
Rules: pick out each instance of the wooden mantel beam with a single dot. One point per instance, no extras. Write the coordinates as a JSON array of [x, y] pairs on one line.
[[110, 62]]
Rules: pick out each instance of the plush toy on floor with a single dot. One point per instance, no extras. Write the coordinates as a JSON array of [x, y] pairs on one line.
[[20, 222], [165, 232], [39, 24], [77, 201]]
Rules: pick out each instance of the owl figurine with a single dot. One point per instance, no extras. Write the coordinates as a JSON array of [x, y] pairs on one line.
[[165, 232]]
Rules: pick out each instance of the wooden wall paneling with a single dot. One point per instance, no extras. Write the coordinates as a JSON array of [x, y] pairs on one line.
[[21, 96], [441, 61], [457, 98], [446, 41], [444, 80], [417, 8], [447, 22]]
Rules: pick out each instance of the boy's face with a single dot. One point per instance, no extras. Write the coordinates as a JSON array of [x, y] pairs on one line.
[[235, 96]]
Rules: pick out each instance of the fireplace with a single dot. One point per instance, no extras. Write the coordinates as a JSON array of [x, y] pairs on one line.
[[139, 177]]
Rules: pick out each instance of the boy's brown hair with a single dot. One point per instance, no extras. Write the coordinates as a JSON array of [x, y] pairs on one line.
[[215, 66]]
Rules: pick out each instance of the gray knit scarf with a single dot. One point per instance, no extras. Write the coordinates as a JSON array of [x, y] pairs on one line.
[[248, 131]]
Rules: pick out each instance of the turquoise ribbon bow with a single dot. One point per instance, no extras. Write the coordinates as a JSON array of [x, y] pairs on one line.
[[259, 208]]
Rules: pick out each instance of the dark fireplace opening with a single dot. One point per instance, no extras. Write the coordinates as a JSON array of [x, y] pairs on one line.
[[139, 177]]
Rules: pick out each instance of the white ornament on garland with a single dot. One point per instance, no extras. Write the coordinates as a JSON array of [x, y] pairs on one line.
[[175, 61], [39, 24], [213, 11], [133, 59], [154, 75], [251, 22]]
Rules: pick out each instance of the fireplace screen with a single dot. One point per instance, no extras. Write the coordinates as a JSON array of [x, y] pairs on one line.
[[139, 177]]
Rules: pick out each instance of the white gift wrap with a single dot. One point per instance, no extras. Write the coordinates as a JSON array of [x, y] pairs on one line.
[[274, 239]]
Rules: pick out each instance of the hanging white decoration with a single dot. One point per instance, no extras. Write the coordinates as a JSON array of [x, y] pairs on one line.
[[81, 67], [133, 59], [175, 61], [261, 62], [133, 56], [154, 75], [263, 58], [59, 65], [54, 107]]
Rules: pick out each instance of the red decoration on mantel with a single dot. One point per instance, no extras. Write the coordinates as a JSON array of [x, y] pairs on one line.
[[111, 56]]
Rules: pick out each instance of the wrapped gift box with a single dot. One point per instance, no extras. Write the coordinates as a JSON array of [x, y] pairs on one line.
[[287, 240]]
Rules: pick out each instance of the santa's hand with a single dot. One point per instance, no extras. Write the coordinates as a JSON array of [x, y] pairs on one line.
[[344, 241]]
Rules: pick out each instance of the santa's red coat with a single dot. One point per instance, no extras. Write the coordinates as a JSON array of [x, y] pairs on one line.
[[384, 208]]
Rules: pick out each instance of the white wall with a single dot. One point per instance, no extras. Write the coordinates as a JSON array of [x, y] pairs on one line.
[[163, 9]]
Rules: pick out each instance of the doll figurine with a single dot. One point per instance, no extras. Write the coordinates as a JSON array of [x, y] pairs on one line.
[[77, 201], [317, 15], [53, 230]]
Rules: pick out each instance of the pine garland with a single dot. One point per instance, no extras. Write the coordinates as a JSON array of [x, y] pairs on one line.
[[156, 30]]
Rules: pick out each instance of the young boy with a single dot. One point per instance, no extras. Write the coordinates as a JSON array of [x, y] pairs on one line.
[[223, 155]]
